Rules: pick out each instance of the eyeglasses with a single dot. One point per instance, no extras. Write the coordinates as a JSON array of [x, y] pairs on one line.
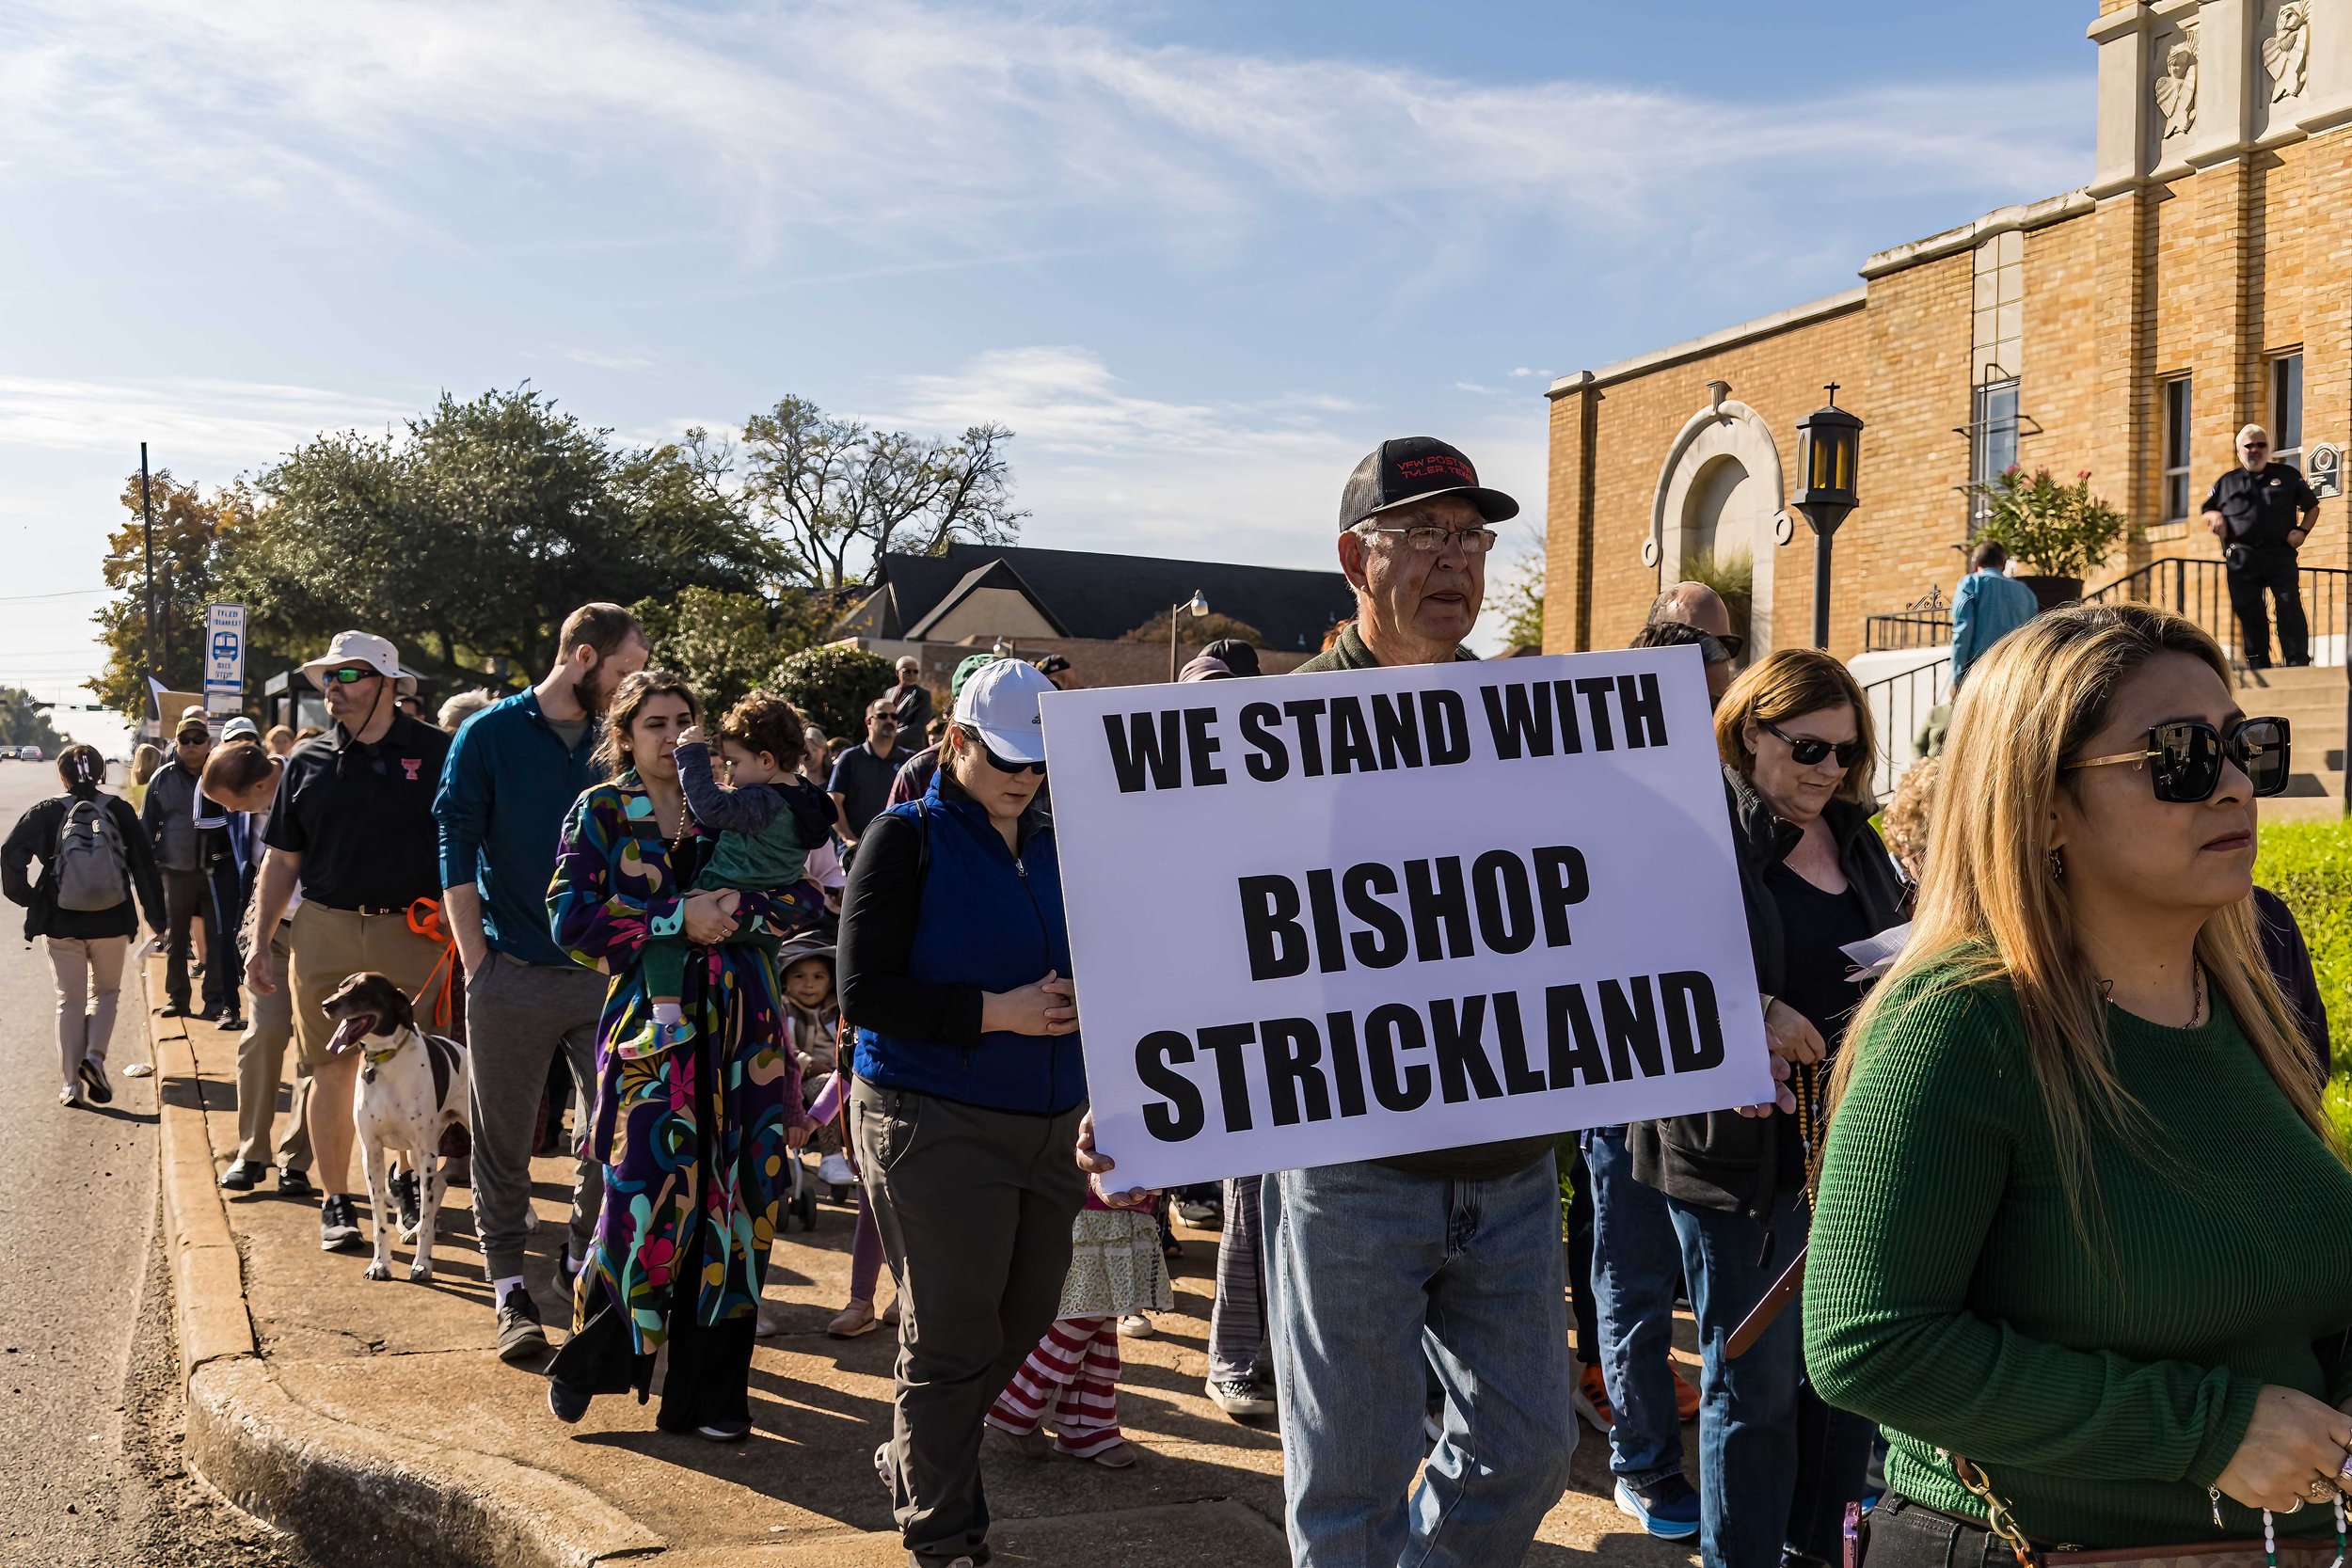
[[1002, 765], [1808, 750], [348, 675], [1427, 538], [2186, 756]]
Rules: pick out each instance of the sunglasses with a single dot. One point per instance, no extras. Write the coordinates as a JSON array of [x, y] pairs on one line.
[[1808, 751], [1003, 765], [1731, 643], [2186, 758], [348, 676]]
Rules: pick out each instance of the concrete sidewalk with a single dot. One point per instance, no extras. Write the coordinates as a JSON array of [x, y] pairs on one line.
[[373, 1422]]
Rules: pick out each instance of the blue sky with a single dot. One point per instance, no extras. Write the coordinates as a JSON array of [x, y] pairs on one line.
[[1199, 257]]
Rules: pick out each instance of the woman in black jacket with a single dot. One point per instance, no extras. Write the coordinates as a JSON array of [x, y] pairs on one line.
[[86, 944], [1776, 1467]]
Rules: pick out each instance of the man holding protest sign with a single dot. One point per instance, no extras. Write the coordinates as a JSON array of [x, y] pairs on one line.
[[1405, 927], [1458, 1249]]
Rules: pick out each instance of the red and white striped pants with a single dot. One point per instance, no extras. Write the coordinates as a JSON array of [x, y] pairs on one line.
[[1073, 1376]]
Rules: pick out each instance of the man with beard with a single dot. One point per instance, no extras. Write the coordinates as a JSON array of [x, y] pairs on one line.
[[513, 774], [353, 829]]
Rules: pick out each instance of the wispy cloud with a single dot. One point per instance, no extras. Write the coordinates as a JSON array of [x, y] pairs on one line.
[[892, 124], [184, 419]]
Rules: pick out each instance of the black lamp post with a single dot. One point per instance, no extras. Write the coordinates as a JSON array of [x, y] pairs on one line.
[[1829, 458]]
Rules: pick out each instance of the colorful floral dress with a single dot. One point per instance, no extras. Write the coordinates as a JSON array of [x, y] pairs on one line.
[[693, 1134]]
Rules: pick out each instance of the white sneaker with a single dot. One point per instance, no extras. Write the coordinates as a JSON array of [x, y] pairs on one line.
[[1135, 1325], [835, 1171], [69, 1095]]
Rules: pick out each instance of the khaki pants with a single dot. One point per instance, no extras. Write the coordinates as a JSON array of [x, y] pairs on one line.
[[90, 981], [329, 946], [261, 1066]]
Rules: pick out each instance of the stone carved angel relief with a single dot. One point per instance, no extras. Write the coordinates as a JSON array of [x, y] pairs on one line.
[[2287, 51], [2176, 87]]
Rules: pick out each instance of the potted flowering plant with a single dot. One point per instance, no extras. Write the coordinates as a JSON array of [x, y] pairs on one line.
[[2059, 534]]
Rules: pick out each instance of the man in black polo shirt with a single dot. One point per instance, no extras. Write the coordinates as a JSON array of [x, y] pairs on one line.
[[2262, 512], [862, 775], [353, 825]]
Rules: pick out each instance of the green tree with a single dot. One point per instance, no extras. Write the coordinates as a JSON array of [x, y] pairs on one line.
[[1195, 632], [468, 538], [838, 494], [24, 722], [725, 645], [1520, 602], [833, 684], [196, 533]]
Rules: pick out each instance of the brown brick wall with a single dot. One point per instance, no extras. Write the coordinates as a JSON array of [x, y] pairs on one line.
[[2208, 276]]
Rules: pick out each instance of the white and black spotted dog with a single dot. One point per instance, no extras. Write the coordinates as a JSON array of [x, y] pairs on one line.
[[411, 1092]]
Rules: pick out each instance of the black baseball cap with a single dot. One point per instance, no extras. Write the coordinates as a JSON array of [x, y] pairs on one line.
[[1415, 468]]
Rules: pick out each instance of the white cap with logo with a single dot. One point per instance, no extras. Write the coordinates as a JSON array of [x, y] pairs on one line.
[[361, 648], [999, 701]]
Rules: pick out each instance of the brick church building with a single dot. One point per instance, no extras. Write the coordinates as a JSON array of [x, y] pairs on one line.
[[2203, 278]]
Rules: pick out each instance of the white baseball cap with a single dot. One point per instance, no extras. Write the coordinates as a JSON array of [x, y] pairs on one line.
[[999, 703], [361, 648]]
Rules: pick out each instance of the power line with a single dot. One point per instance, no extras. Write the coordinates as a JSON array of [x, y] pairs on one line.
[[61, 594]]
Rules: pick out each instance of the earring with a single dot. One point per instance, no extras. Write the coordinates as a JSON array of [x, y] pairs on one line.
[[2057, 867]]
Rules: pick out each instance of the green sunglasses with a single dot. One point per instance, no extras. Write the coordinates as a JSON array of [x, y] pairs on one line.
[[348, 676]]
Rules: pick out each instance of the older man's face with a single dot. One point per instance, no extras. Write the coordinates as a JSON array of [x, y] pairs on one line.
[[1434, 594], [2253, 451]]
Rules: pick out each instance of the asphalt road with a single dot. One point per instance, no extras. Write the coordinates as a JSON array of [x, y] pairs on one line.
[[89, 1407]]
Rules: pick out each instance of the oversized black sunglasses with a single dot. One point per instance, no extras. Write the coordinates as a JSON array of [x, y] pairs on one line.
[[1809, 750], [2185, 758], [1002, 765]]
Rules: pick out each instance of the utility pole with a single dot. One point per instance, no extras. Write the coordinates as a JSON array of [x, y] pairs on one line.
[[147, 523]]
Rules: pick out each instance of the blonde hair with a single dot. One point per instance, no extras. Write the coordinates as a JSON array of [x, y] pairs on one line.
[[1786, 684], [144, 761], [1992, 908]]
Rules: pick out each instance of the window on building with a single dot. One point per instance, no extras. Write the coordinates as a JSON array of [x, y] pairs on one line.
[[1992, 442], [2286, 408], [2176, 480]]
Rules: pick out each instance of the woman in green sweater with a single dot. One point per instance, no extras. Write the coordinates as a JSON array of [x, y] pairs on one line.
[[2083, 1241]]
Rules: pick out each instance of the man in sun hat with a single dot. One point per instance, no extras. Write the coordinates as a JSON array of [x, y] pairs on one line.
[[353, 825]]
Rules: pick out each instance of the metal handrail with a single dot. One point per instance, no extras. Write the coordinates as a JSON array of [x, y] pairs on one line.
[[1903, 629], [1899, 706], [2199, 591]]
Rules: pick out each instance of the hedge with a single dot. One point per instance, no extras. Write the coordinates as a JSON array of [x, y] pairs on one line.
[[2310, 865]]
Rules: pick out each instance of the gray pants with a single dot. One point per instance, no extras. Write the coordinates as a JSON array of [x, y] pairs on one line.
[[90, 982], [1237, 1337], [261, 1065], [975, 1209], [517, 1017]]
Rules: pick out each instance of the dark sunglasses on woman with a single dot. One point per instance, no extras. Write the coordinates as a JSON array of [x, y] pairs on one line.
[[1808, 749], [2185, 758], [1002, 765]]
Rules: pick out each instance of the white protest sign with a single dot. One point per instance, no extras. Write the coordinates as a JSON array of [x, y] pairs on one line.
[[1323, 918]]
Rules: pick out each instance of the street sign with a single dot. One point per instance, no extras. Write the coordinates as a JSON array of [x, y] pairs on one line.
[[2323, 467], [224, 658]]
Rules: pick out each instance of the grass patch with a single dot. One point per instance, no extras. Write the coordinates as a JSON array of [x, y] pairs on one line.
[[2310, 865]]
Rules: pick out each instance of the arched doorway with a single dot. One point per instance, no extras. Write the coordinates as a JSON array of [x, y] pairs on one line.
[[1720, 493]]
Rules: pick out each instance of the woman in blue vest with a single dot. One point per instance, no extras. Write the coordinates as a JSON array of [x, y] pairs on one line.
[[954, 964]]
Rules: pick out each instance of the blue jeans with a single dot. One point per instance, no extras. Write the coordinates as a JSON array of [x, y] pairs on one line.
[[1637, 1261], [1375, 1279], [1775, 1463]]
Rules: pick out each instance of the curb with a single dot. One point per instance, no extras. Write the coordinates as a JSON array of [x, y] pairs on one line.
[[349, 1493]]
